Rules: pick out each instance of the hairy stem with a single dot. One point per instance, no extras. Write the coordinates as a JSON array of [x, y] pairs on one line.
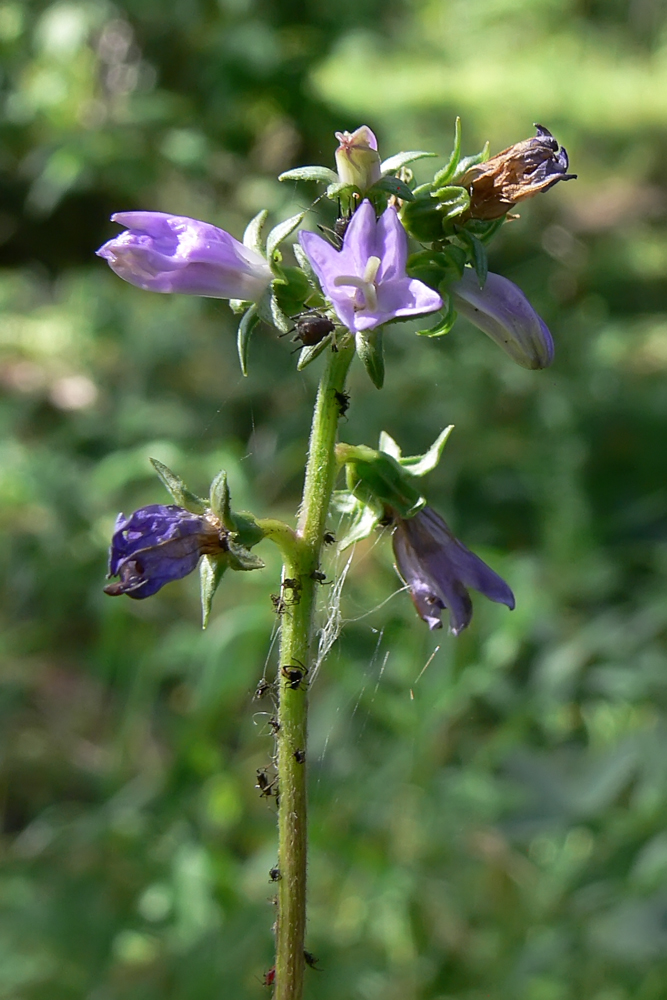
[[297, 627]]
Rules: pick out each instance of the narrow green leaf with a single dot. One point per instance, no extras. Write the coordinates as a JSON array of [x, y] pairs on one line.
[[252, 236], [399, 160], [445, 175], [322, 174], [181, 495], [281, 232], [246, 327]]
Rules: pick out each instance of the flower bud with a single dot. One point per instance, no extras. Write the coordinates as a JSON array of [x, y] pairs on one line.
[[519, 172], [172, 253], [503, 312], [357, 158]]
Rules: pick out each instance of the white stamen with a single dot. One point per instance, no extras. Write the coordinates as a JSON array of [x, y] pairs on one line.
[[365, 285]]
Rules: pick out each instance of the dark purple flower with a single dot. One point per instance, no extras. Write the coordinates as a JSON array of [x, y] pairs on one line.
[[519, 172], [439, 569], [366, 280], [158, 544], [171, 253], [503, 312]]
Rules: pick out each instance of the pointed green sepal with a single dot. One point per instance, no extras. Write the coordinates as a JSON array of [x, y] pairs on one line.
[[281, 232], [220, 501], [252, 237], [323, 175], [182, 496], [247, 325], [445, 175], [477, 255], [371, 353], [398, 160], [211, 572], [242, 559], [420, 465]]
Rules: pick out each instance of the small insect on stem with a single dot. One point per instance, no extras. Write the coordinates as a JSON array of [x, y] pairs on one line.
[[274, 875], [274, 725], [294, 675], [293, 584], [265, 785], [329, 538], [343, 400], [280, 605], [319, 577], [263, 687], [311, 961], [269, 977], [299, 756]]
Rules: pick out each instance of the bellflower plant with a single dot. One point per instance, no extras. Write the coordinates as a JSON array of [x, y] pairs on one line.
[[397, 251]]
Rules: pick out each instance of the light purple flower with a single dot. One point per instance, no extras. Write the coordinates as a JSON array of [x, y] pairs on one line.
[[366, 279], [502, 311], [172, 253], [439, 569]]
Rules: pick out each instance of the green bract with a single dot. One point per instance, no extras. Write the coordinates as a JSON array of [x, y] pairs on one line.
[[382, 482]]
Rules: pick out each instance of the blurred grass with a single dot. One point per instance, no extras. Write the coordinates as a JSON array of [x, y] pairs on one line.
[[491, 828]]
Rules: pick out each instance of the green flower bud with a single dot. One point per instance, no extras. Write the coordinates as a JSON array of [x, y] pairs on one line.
[[357, 158]]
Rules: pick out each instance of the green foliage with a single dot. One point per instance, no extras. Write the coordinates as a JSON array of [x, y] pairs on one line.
[[487, 813]]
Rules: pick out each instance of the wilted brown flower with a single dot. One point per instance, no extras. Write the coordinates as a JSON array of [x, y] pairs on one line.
[[520, 172]]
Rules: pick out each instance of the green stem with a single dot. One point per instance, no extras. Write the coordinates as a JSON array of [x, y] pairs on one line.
[[297, 629]]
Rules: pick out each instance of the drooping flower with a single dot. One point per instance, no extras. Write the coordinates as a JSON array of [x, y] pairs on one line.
[[366, 279], [439, 569], [172, 253], [503, 312], [157, 544], [517, 173], [357, 158]]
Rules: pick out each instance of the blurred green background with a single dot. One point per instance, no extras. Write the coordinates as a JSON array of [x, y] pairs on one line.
[[495, 827]]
